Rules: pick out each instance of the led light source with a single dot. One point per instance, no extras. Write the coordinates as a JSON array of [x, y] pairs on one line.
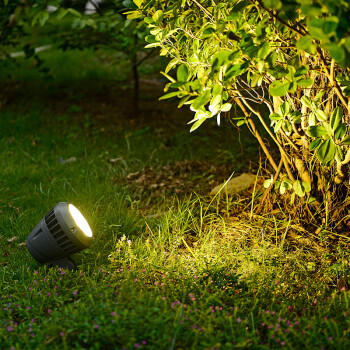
[[63, 231]]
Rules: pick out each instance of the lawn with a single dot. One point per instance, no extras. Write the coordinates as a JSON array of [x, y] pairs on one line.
[[170, 267]]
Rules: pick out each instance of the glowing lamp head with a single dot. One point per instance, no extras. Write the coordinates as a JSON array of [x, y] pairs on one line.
[[80, 220], [63, 231]]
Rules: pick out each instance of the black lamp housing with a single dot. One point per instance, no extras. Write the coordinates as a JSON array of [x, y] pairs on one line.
[[63, 231]]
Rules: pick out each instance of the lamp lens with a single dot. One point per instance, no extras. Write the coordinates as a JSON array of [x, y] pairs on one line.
[[80, 220]]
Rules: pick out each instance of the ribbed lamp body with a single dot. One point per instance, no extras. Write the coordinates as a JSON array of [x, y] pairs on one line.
[[56, 235]]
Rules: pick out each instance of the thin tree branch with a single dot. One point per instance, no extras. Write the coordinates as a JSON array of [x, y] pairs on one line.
[[294, 29], [206, 12], [262, 121], [257, 135], [286, 165], [330, 76]]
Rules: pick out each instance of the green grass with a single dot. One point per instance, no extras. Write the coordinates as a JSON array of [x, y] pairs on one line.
[[166, 273]]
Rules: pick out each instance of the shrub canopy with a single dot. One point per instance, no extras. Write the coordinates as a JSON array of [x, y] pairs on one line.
[[292, 57]]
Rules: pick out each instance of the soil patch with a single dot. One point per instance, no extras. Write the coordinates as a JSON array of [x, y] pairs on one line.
[[180, 178]]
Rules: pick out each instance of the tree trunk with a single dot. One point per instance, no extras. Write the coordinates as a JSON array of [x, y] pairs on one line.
[[136, 80]]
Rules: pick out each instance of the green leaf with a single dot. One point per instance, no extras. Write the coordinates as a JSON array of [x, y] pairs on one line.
[[168, 77], [129, 4], [183, 101], [133, 14], [279, 88], [288, 184], [207, 33], [158, 16], [336, 118], [328, 128], [339, 154], [151, 39], [155, 31], [149, 20], [268, 182], [346, 140], [299, 188], [344, 82], [264, 50], [217, 90], [305, 82], [41, 17], [337, 52], [317, 30], [306, 101], [315, 144], [340, 131], [281, 56], [138, 2], [311, 200], [197, 124], [171, 64], [295, 62], [226, 107], [275, 116], [169, 95], [312, 119], [256, 79], [287, 127], [318, 96], [182, 73], [177, 84], [320, 115], [330, 24], [326, 152], [74, 12], [271, 58], [261, 66], [273, 4], [293, 87], [278, 125], [201, 100], [247, 45], [214, 109], [296, 117], [316, 131], [278, 72], [285, 108], [305, 43], [216, 100], [236, 70], [301, 71], [62, 13], [283, 188], [152, 45], [307, 186], [221, 58]]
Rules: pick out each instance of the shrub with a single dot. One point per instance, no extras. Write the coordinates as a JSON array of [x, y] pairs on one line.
[[292, 57]]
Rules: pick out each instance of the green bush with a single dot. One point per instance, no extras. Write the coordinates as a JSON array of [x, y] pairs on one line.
[[292, 57]]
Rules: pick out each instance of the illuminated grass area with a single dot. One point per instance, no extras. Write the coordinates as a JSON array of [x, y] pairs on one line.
[[164, 273]]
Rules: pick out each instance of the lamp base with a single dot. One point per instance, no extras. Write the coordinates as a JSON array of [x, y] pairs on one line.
[[66, 263]]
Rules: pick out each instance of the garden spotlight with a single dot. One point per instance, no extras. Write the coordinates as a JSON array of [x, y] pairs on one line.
[[63, 231]]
